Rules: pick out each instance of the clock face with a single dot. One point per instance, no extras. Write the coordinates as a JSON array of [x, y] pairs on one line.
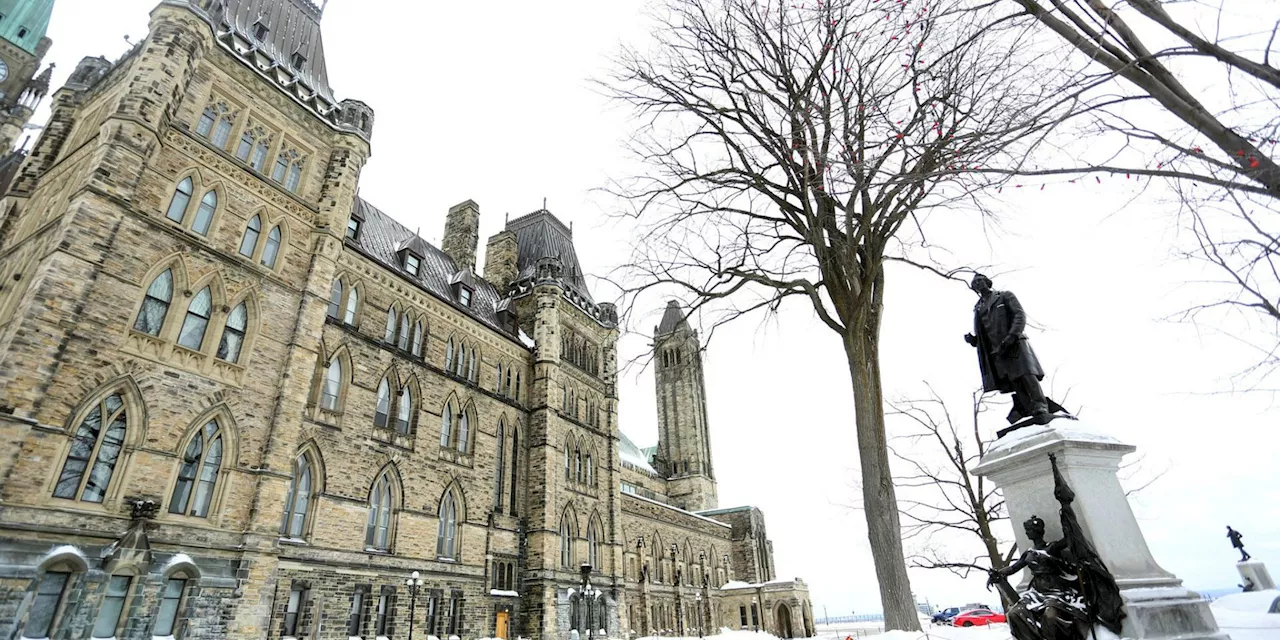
[[4, 70]]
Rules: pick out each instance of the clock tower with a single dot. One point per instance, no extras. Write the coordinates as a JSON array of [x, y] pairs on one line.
[[22, 46]]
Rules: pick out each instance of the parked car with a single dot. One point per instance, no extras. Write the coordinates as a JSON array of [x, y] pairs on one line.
[[978, 617], [945, 616]]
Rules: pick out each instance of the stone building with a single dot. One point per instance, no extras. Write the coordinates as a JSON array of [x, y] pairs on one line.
[[240, 401]]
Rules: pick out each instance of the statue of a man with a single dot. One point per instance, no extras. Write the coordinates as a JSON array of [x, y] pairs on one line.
[[1237, 541], [1005, 357]]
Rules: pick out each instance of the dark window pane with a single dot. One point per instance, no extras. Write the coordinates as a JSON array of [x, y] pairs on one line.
[[104, 626], [45, 604]]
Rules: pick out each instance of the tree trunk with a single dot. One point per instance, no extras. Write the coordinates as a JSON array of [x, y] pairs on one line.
[[880, 502]]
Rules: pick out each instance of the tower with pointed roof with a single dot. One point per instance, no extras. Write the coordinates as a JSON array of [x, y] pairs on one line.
[[684, 442], [23, 43]]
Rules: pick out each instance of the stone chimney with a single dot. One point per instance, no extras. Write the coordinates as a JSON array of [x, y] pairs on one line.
[[462, 233], [500, 260]]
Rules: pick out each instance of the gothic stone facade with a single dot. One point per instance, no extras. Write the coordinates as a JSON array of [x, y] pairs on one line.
[[240, 401]]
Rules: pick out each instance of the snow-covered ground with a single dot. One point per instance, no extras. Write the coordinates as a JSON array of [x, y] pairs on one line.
[[1245, 617]]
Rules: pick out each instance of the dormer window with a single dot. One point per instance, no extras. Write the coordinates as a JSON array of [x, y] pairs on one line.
[[22, 33], [464, 296], [298, 60], [353, 228], [412, 263], [260, 30]]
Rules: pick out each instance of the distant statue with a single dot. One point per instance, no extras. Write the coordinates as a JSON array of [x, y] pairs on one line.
[[1005, 357], [644, 572], [1071, 589], [1236, 541]]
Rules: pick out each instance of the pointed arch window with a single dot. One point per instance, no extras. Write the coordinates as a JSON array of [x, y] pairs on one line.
[[449, 355], [475, 363], [233, 334], [382, 412], [335, 300], [204, 215], [568, 460], [272, 249], [417, 339], [498, 385], [589, 470], [501, 466], [198, 475], [332, 386], [222, 133], [577, 463], [281, 166], [378, 526], [404, 333], [246, 146], [508, 386], [295, 176], [96, 449], [197, 320], [389, 336], [464, 431], [447, 532], [249, 242], [260, 154], [566, 543], [155, 305], [206, 121], [353, 301], [517, 386], [515, 466], [181, 199], [593, 550], [446, 425], [297, 501], [404, 412]]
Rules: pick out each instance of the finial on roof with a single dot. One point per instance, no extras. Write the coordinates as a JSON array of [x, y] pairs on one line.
[[544, 203]]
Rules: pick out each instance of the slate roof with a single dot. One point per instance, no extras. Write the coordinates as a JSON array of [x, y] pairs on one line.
[[31, 16], [672, 319], [541, 235], [380, 239], [293, 26]]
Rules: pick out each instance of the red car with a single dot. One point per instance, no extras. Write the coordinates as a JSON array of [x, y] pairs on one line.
[[977, 617]]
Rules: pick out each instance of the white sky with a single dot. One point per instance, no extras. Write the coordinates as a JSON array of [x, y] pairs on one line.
[[492, 101]]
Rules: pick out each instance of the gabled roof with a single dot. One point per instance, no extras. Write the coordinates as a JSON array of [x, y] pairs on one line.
[[673, 318], [293, 26], [541, 235], [380, 239]]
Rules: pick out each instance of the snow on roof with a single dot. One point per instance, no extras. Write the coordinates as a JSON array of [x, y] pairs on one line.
[[632, 455], [688, 513]]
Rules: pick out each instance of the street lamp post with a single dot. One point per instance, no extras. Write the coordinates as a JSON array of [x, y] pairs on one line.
[[679, 606], [755, 614], [697, 598], [414, 583], [588, 595]]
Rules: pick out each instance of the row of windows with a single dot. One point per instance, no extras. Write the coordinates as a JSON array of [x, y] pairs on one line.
[[216, 124], [198, 218], [581, 406], [579, 463], [50, 603], [581, 352], [568, 546], [404, 332], [657, 563], [195, 322], [367, 613], [503, 576], [507, 382]]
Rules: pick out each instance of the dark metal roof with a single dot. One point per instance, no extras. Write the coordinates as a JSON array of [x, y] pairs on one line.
[[541, 235], [381, 238], [293, 26], [673, 318]]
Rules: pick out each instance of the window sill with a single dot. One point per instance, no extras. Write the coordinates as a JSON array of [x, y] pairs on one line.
[[376, 552], [446, 559], [295, 541]]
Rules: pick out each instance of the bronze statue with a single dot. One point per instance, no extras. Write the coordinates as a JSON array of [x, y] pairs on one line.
[[1236, 542], [1071, 589], [1005, 357]]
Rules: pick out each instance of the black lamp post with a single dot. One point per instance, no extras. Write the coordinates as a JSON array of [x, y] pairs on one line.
[[588, 596], [414, 583], [755, 614]]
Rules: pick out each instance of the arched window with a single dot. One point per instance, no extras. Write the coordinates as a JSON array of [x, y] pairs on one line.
[[508, 382], [335, 300], [155, 305], [107, 622], [281, 166], [475, 362], [382, 412], [446, 425], [98, 441], [198, 475], [515, 466], [593, 555], [206, 121], [378, 527], [272, 249], [260, 154], [517, 386], [404, 332], [498, 387], [222, 133], [249, 242], [233, 334], [447, 533], [404, 413], [590, 470], [43, 615], [566, 542], [246, 146], [389, 336], [448, 355], [181, 198], [332, 385], [197, 321], [464, 431], [353, 299], [204, 215], [501, 466], [295, 176], [417, 339], [297, 501], [568, 460]]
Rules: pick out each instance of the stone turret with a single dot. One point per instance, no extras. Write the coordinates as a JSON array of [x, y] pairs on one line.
[[462, 234]]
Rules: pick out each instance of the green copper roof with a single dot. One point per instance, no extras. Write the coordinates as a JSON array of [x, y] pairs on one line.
[[23, 22]]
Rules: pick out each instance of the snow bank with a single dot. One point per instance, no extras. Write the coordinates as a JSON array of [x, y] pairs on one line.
[[1242, 615], [1252, 602]]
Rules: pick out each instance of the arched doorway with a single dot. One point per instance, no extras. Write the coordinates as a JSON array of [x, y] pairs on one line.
[[783, 618]]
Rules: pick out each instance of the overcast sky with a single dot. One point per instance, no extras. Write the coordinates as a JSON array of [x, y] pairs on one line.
[[492, 101]]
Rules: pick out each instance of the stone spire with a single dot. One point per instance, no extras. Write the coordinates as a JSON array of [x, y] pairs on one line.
[[684, 440]]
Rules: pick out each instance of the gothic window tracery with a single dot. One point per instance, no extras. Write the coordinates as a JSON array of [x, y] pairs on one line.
[[298, 499], [198, 474], [91, 461], [379, 523]]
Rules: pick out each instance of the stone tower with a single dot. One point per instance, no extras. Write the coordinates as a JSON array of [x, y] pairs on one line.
[[22, 47], [461, 233], [684, 444]]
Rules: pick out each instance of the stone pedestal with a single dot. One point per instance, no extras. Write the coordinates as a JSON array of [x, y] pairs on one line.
[[1157, 604], [1256, 572]]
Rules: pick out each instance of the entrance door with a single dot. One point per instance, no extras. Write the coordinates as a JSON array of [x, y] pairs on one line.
[[784, 621], [500, 629]]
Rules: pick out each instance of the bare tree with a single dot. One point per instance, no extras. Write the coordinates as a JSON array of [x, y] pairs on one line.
[[1188, 92], [791, 150], [943, 497]]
